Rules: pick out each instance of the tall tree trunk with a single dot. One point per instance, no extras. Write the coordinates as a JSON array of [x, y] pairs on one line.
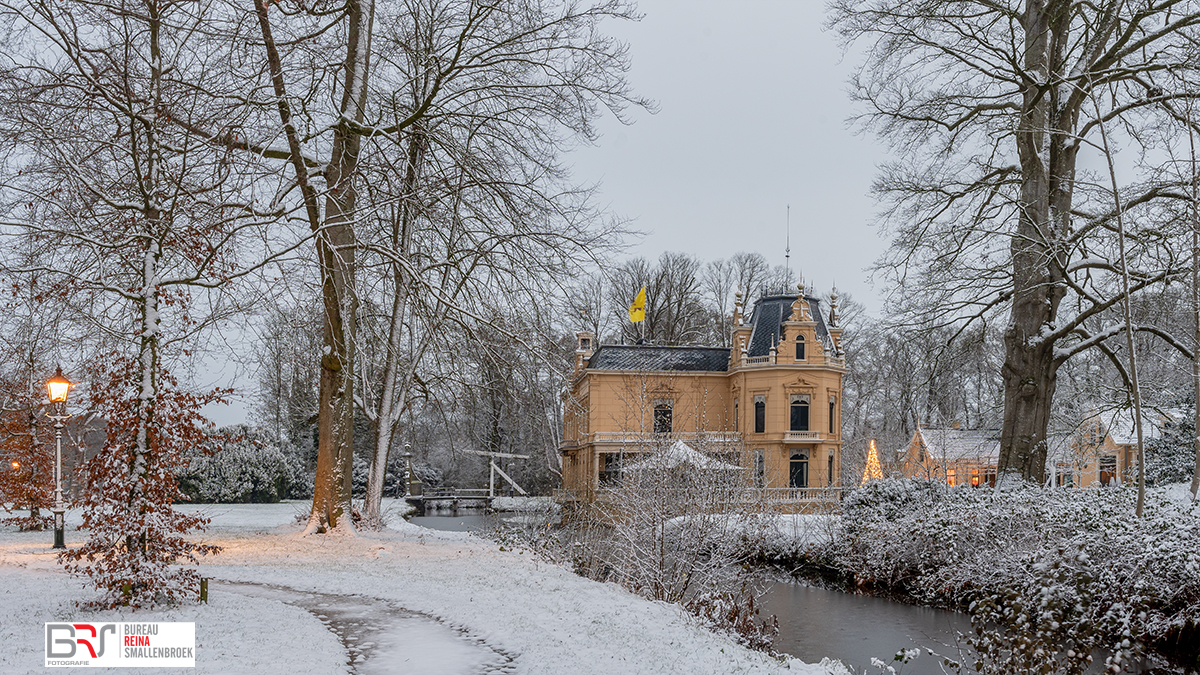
[[336, 252], [390, 405], [147, 396], [1134, 390], [1195, 303], [1047, 150], [1030, 372]]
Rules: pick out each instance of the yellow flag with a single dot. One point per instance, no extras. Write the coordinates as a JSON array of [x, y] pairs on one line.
[[637, 311]]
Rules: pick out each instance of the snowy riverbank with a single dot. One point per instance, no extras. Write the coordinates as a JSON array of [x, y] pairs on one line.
[[542, 618]]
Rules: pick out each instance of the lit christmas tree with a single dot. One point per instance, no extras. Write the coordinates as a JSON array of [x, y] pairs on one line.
[[872, 470]]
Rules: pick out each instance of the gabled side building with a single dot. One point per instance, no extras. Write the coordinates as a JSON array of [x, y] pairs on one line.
[[771, 403], [956, 456]]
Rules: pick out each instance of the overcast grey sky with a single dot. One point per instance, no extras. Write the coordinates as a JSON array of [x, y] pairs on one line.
[[753, 111]]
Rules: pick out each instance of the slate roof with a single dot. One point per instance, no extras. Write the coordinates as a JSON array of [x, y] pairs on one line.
[[655, 357], [955, 444], [768, 317]]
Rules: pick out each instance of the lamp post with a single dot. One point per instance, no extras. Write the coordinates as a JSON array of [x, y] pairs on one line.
[[413, 488], [58, 387]]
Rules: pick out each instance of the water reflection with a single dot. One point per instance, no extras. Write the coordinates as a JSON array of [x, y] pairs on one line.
[[464, 522], [815, 623]]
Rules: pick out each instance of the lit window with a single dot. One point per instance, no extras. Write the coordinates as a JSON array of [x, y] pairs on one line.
[[662, 416]]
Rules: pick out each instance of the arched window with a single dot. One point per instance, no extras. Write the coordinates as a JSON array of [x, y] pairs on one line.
[[800, 347], [760, 414], [798, 470], [832, 410], [799, 416]]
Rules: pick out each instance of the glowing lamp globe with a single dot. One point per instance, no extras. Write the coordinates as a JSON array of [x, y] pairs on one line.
[[58, 386]]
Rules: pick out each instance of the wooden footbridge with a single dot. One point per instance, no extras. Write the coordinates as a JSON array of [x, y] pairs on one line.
[[439, 498]]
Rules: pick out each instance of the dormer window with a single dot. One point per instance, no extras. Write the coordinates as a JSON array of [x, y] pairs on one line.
[[585, 344], [800, 347]]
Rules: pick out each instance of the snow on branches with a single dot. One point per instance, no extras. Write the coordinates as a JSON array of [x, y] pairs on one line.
[[136, 538]]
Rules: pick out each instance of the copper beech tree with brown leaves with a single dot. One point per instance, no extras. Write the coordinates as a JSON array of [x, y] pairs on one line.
[[26, 459], [136, 540]]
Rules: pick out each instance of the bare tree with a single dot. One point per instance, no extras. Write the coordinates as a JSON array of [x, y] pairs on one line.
[[483, 216], [674, 310], [137, 225], [990, 207]]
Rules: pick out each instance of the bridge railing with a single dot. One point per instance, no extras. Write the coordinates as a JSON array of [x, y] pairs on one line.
[[454, 493]]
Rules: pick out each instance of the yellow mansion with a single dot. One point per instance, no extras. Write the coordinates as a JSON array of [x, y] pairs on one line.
[[771, 404]]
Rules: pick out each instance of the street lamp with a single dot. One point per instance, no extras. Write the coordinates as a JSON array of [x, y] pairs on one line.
[[413, 488], [58, 387]]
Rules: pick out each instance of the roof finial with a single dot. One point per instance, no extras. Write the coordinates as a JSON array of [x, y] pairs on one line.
[[833, 317]]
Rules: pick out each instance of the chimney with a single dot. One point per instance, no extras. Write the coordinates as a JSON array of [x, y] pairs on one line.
[[585, 347]]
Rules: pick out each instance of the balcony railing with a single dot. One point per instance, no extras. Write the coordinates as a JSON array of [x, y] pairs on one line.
[[764, 496], [650, 438], [792, 495], [801, 436]]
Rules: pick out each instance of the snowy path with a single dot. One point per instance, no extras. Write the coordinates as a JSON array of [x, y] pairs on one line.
[[381, 637]]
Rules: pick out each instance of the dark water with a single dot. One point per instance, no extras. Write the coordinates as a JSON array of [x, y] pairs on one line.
[[815, 623], [478, 521], [473, 522]]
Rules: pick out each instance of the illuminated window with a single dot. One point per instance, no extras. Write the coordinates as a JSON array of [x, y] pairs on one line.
[[662, 416]]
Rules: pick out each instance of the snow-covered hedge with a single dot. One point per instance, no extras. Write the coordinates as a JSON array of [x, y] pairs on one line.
[[240, 464], [1064, 570]]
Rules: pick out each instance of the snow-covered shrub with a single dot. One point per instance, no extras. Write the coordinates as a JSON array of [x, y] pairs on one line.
[[1171, 458], [1061, 572], [735, 612], [237, 464]]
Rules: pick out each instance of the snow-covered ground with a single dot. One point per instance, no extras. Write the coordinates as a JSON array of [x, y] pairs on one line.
[[407, 599]]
